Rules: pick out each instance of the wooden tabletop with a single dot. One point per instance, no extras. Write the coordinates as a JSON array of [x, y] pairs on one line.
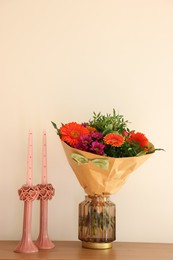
[[72, 250]]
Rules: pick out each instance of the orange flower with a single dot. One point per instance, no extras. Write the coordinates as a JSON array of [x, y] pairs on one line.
[[114, 139], [91, 129], [140, 138], [71, 133]]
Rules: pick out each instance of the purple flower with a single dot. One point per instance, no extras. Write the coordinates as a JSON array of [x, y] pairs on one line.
[[97, 135], [81, 146], [97, 148], [84, 143], [86, 139]]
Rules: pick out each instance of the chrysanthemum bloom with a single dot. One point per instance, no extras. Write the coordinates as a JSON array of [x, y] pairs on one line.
[[86, 139], [140, 138], [81, 146], [114, 139], [84, 143], [97, 135], [97, 148], [71, 133]]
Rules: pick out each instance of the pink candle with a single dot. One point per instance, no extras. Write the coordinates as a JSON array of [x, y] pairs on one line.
[[29, 160], [44, 159]]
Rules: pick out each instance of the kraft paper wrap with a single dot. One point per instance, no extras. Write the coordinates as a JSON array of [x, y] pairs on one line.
[[96, 180]]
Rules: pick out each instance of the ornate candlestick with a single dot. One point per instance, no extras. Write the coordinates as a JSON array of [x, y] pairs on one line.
[[46, 192], [27, 193]]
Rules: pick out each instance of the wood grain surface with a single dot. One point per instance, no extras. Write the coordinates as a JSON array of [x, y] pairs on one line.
[[72, 250]]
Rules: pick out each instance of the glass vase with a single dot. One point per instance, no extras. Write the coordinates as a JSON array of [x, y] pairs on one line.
[[97, 222]]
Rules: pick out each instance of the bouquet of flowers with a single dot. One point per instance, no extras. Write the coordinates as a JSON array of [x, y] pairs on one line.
[[103, 151]]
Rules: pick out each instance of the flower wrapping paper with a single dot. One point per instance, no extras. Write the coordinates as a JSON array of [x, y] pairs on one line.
[[99, 180]]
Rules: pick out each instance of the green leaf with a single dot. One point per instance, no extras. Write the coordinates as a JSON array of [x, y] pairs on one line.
[[54, 125], [108, 129], [141, 153]]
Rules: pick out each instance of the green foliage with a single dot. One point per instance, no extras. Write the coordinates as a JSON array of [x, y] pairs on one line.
[[108, 123], [56, 128]]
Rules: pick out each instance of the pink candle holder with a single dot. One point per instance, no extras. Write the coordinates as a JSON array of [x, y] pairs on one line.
[[27, 194], [46, 192]]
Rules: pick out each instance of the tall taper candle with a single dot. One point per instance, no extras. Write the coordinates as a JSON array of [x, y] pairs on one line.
[[29, 159], [44, 159]]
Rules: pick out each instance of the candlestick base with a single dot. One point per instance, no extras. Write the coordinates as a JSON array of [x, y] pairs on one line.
[[26, 246], [44, 243]]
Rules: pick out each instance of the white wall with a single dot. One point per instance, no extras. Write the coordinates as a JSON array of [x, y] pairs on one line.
[[61, 60]]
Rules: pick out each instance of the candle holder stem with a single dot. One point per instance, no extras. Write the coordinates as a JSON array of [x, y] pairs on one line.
[[43, 241], [26, 244]]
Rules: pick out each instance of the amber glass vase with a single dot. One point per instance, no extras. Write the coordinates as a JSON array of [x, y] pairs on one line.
[[97, 222]]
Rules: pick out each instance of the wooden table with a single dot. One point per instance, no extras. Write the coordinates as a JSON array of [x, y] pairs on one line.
[[72, 250]]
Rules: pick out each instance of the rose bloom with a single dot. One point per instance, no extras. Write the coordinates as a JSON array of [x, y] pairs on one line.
[[125, 133], [71, 132], [140, 138], [114, 139]]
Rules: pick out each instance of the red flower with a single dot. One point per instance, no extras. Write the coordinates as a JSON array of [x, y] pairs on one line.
[[140, 138], [71, 133], [114, 139], [125, 133]]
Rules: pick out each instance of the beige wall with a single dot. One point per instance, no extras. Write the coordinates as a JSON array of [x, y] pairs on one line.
[[61, 60]]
